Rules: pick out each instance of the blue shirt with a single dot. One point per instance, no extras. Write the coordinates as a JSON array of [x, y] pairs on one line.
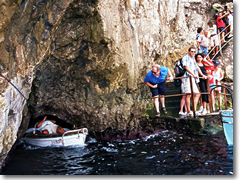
[[154, 79], [191, 63]]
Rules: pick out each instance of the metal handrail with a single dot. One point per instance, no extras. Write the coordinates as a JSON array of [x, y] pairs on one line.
[[192, 93], [221, 47], [79, 131], [216, 86], [82, 130]]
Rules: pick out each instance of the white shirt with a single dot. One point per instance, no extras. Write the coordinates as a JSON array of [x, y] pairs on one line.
[[230, 18], [213, 29], [47, 125]]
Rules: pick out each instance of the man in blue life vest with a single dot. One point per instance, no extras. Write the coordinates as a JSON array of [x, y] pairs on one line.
[[155, 79]]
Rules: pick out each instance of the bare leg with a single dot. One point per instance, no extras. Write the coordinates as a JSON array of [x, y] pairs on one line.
[[216, 49], [188, 102], [204, 105], [195, 99], [213, 50], [222, 37], [162, 99], [60, 130], [156, 103], [183, 104], [45, 131], [213, 100], [230, 26]]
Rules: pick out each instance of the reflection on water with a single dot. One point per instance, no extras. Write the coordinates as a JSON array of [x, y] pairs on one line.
[[166, 153]]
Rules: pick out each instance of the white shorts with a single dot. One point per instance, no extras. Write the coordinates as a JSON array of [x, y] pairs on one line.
[[214, 41], [186, 86]]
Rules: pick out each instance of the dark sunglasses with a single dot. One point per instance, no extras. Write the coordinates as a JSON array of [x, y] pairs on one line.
[[154, 72], [193, 51]]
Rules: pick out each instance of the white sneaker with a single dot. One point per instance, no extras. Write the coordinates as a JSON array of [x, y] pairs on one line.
[[190, 114], [204, 112], [197, 114], [181, 113], [200, 110], [213, 109]]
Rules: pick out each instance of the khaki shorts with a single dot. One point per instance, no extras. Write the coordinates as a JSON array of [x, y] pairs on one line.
[[186, 86]]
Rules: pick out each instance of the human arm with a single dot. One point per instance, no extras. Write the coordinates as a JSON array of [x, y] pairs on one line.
[[221, 75], [198, 42], [223, 16], [170, 75], [148, 79], [150, 85], [211, 28], [190, 72], [41, 122], [207, 63], [200, 72]]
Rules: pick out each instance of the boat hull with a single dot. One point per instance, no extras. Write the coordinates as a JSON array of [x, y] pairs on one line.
[[227, 120], [66, 139]]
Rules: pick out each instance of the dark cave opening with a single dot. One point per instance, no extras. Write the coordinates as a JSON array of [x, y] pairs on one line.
[[59, 121]]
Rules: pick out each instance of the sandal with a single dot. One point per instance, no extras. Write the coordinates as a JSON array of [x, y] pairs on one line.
[[157, 115], [164, 110]]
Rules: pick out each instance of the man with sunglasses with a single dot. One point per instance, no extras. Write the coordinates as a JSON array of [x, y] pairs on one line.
[[192, 69], [155, 79]]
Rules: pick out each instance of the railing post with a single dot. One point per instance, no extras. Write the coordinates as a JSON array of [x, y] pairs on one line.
[[220, 44], [193, 104], [225, 97], [209, 96], [218, 98]]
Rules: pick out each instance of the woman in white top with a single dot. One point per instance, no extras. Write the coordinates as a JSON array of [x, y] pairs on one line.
[[218, 76]]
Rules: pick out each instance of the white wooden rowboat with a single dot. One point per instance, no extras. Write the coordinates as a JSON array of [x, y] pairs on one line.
[[69, 138]]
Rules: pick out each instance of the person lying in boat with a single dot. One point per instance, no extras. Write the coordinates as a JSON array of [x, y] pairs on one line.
[[46, 126]]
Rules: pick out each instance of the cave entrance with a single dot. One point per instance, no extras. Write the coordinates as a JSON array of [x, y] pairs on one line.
[[59, 121]]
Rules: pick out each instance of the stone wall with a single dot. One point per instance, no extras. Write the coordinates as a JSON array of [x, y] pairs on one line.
[[82, 60]]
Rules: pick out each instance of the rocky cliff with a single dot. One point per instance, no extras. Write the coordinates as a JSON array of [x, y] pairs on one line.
[[83, 60]]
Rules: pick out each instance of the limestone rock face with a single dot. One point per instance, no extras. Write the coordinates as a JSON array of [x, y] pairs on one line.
[[227, 60], [82, 60]]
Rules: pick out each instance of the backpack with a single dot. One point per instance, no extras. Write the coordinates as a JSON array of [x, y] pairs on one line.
[[179, 71], [179, 68]]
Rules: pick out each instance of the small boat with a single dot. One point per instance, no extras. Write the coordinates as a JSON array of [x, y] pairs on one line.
[[227, 120], [69, 138]]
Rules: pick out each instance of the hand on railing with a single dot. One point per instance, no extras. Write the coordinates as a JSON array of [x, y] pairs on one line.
[[204, 77], [209, 77], [170, 78]]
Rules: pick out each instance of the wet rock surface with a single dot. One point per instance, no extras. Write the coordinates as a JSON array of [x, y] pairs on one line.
[[148, 126]]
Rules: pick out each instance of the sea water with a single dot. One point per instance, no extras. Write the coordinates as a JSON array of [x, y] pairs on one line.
[[165, 153]]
